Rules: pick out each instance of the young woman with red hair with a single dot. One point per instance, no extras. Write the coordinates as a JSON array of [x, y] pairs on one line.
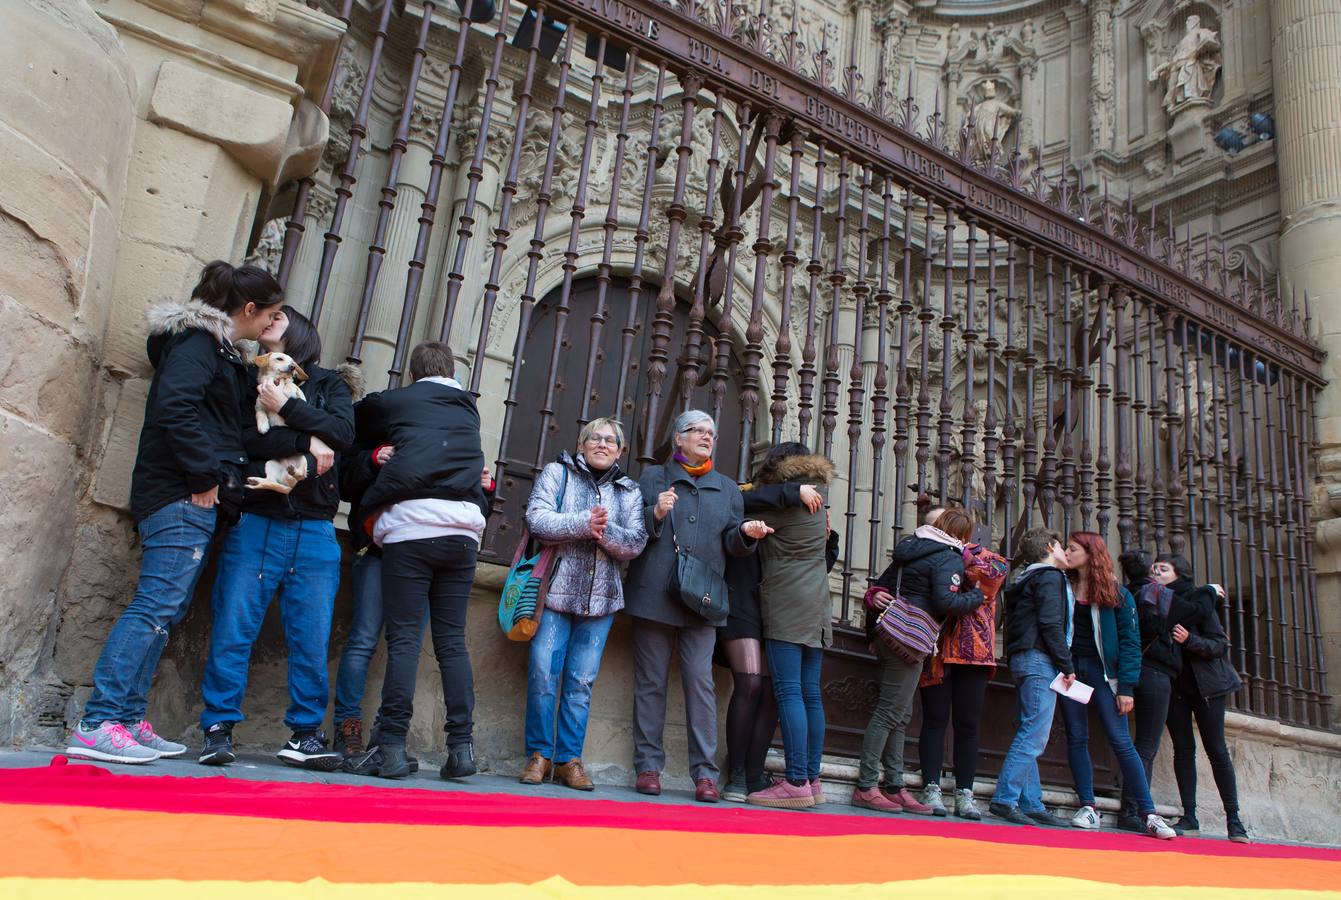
[[1106, 650]]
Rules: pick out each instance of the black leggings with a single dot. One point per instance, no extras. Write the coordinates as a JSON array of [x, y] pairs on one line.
[[1210, 716], [960, 694], [752, 714], [1151, 713]]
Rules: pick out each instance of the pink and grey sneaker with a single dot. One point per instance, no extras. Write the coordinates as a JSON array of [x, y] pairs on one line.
[[874, 798], [109, 742], [783, 795], [145, 736], [908, 801], [817, 791]]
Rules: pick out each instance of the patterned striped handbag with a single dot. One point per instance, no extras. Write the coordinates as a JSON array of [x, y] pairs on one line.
[[906, 631], [523, 599]]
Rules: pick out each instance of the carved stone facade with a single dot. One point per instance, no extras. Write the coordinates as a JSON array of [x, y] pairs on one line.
[[1020, 76]]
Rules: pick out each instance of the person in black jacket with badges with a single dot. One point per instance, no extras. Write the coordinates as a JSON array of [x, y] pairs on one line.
[[1038, 630], [1200, 689], [187, 477], [284, 544], [426, 509], [931, 563]]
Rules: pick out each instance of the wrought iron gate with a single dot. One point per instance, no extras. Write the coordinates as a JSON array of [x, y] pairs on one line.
[[936, 315]]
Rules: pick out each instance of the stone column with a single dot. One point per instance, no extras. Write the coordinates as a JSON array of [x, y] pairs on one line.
[[1305, 43]]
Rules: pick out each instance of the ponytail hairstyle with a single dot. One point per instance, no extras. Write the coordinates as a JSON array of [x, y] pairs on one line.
[[229, 289], [1100, 582], [301, 340]]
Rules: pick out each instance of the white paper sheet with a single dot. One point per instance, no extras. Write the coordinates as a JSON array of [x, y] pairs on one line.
[[1079, 691]]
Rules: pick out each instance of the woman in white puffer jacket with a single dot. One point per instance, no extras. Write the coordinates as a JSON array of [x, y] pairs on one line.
[[592, 513]]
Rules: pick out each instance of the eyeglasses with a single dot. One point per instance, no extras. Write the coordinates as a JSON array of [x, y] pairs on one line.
[[607, 439], [700, 431]]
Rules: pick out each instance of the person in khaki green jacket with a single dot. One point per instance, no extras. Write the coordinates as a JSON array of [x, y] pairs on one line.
[[795, 607]]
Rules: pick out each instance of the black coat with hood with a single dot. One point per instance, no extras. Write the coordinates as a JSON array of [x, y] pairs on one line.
[[191, 440], [933, 577], [327, 413], [1038, 610], [1206, 670], [435, 429]]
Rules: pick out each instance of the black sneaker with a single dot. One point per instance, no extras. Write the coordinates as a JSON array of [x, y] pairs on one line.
[[1188, 825], [1043, 817], [381, 762], [218, 749], [1009, 813], [1238, 833], [308, 750], [460, 761], [1131, 823]]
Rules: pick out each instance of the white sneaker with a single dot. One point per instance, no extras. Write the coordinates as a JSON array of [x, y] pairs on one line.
[[109, 742], [145, 736], [931, 796], [1158, 828], [965, 808], [1086, 818]]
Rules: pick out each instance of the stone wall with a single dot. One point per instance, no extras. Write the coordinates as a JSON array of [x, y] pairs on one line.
[[66, 127]]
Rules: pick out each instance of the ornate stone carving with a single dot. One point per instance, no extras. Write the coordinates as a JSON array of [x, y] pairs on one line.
[[992, 120], [1192, 67], [270, 247], [425, 120], [350, 76], [1103, 105]]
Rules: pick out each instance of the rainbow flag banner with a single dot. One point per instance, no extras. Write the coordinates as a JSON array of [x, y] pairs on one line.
[[80, 831]]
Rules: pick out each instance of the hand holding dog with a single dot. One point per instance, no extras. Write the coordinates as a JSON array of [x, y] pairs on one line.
[[271, 398], [322, 453]]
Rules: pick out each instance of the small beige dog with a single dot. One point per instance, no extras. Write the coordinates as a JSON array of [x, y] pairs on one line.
[[281, 475], [281, 371]]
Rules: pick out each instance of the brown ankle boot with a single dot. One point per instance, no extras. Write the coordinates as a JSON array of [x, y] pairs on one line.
[[537, 770], [572, 774], [349, 738]]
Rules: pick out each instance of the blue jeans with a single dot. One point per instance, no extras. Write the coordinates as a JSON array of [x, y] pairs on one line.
[[796, 683], [565, 648], [1076, 719], [299, 559], [365, 630], [1018, 784], [175, 541]]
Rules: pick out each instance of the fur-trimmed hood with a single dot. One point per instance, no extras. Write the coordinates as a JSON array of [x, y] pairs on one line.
[[171, 317], [808, 469]]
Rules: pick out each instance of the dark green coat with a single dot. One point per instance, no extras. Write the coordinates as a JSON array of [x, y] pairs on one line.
[[794, 591]]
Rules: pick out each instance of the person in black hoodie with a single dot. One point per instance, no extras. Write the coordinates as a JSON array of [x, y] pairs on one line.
[[928, 572], [1192, 636], [284, 544], [1038, 631], [187, 478], [426, 509]]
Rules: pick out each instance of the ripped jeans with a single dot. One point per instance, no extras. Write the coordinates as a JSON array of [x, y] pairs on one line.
[[565, 659], [175, 542]]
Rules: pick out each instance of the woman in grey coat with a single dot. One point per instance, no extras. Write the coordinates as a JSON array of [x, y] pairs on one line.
[[704, 509], [592, 513]]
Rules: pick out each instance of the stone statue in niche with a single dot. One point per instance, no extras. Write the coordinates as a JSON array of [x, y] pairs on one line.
[[992, 118], [1192, 68]]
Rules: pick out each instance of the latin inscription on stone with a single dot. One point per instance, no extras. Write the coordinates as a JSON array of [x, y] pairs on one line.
[[1083, 244], [998, 204], [1163, 286]]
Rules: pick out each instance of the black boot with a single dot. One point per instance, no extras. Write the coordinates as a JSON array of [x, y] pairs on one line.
[[460, 761], [1237, 832], [387, 761], [1130, 820], [1187, 824], [375, 738]]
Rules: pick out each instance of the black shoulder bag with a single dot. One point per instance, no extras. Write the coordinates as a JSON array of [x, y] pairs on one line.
[[701, 589]]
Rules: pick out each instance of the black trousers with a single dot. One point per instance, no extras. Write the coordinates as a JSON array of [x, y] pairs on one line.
[[431, 576], [1210, 716], [1151, 712], [959, 696]]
